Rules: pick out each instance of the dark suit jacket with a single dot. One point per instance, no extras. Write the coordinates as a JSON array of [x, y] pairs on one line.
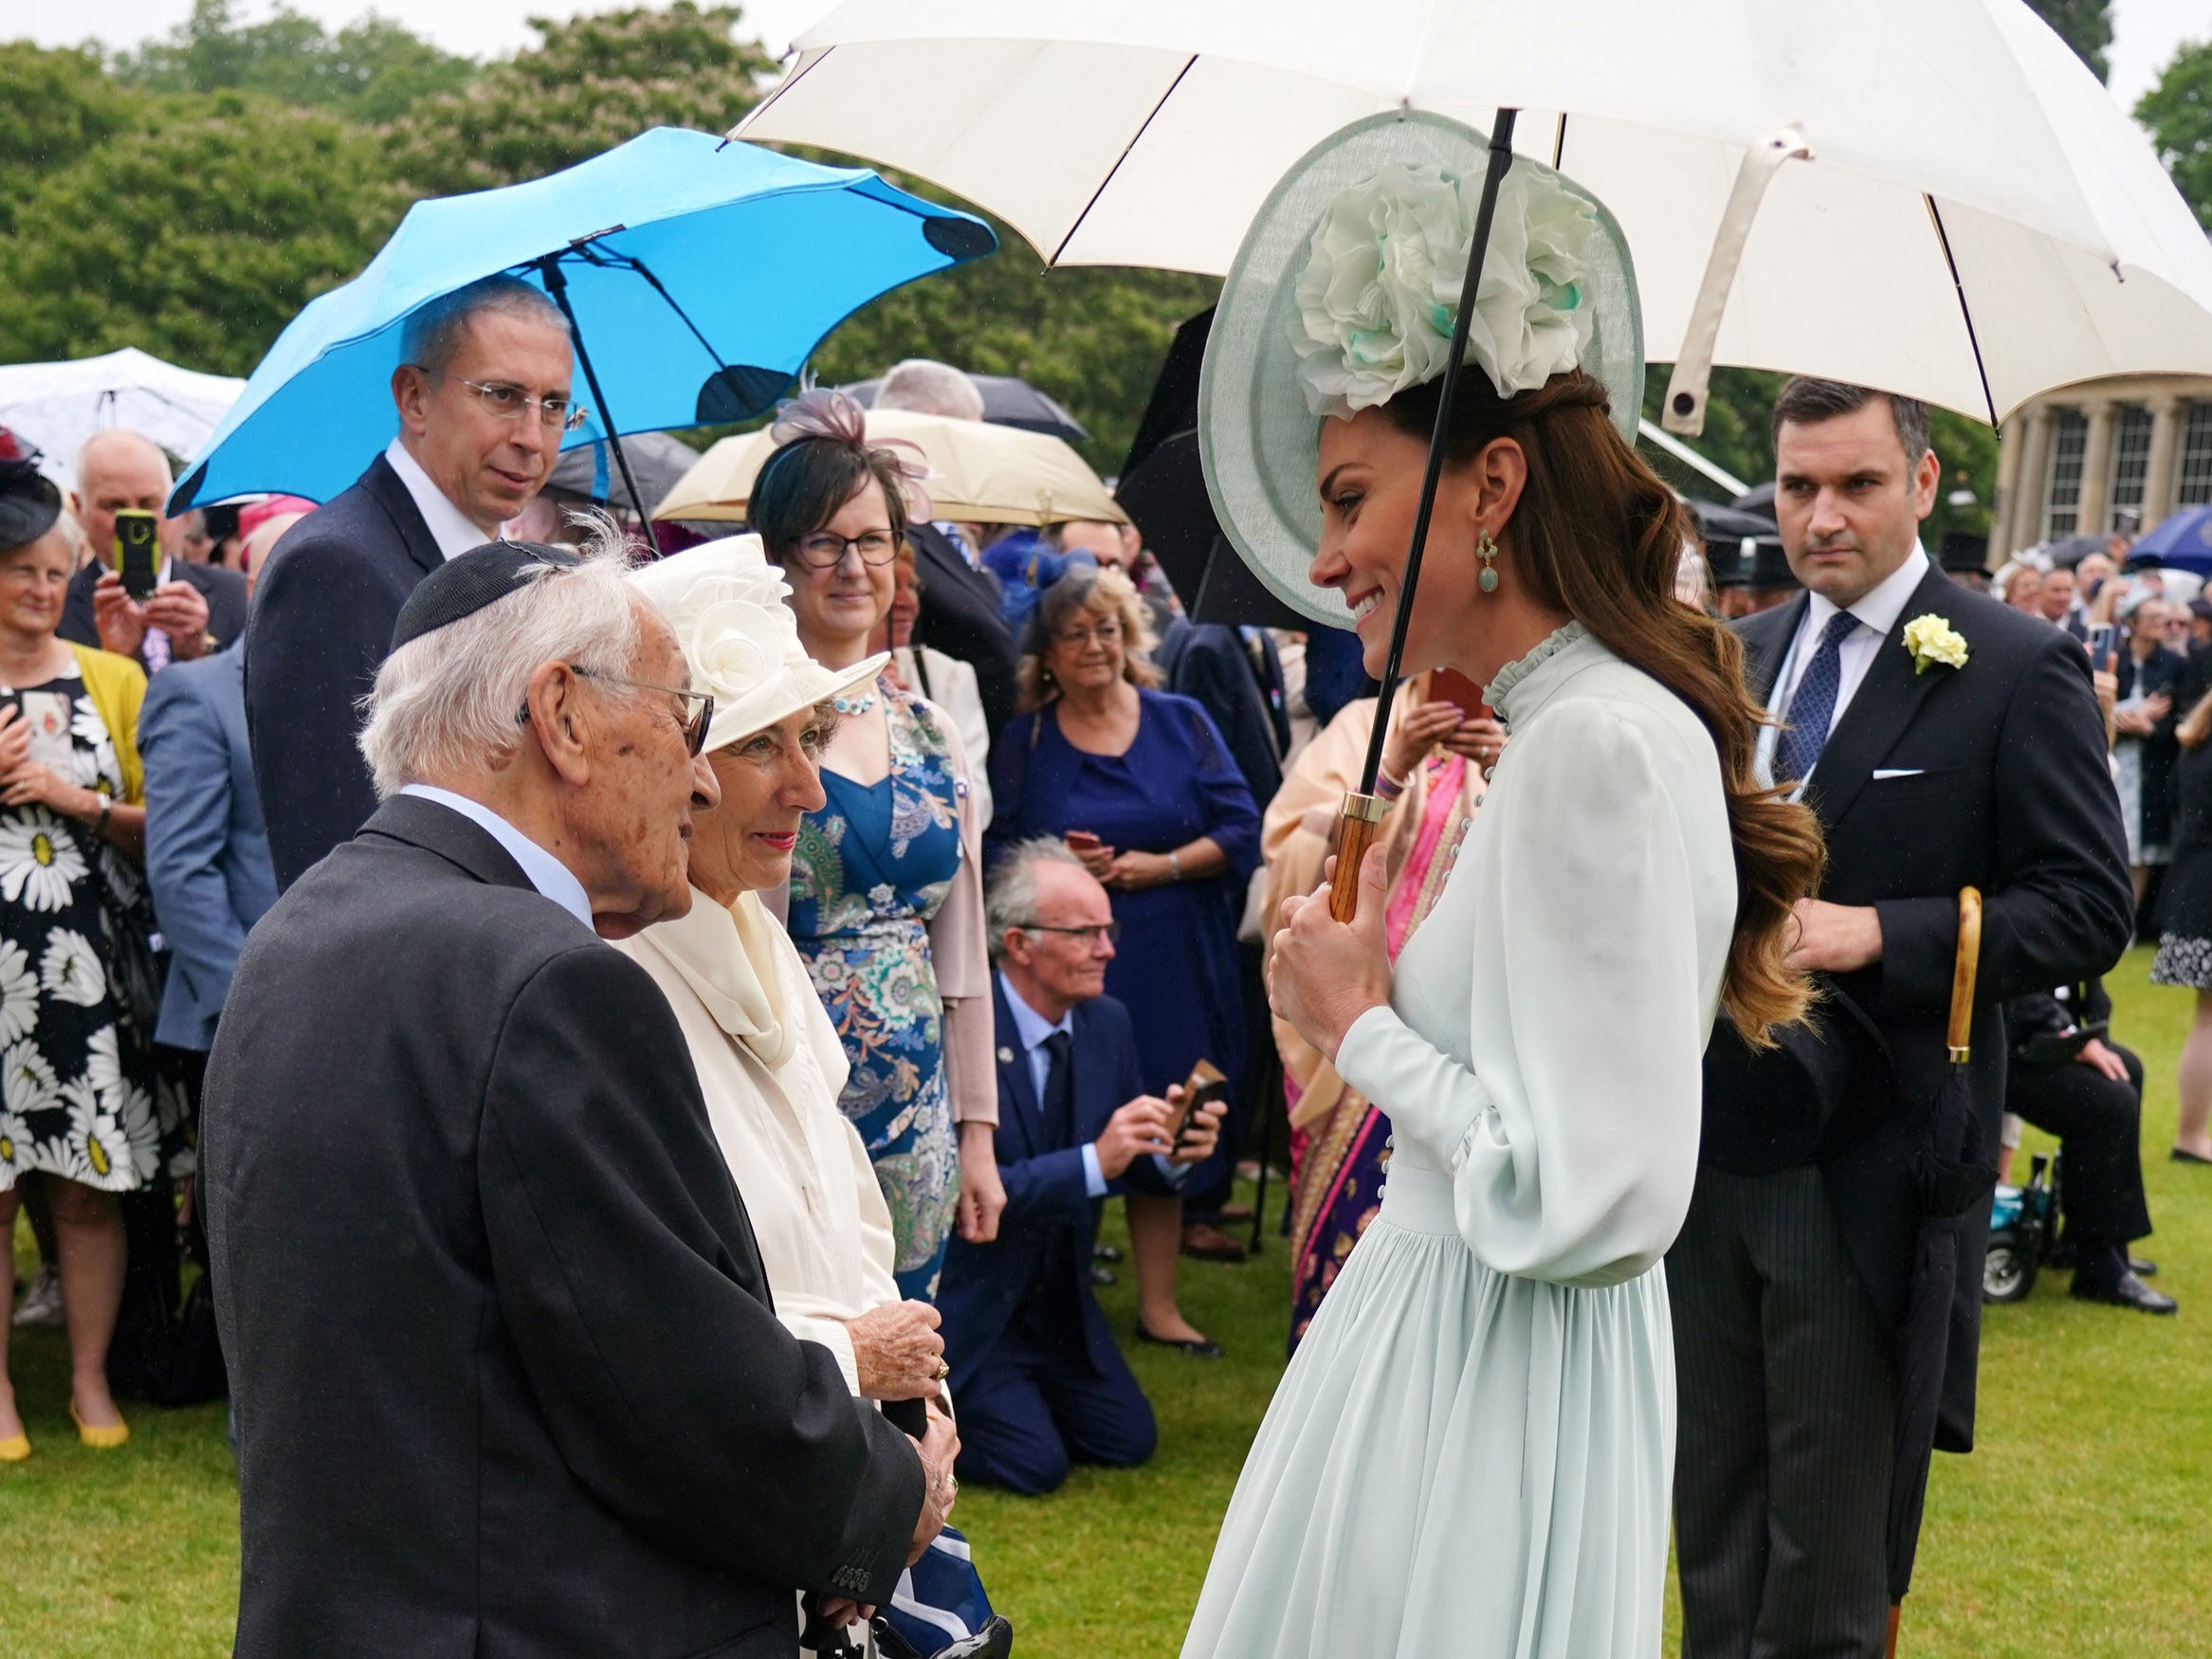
[[207, 854], [960, 617], [1209, 664], [507, 1378], [322, 614], [224, 591], [983, 1285], [2010, 793]]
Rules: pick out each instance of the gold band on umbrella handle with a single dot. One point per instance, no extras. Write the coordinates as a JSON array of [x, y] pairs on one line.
[[1964, 970], [1361, 817]]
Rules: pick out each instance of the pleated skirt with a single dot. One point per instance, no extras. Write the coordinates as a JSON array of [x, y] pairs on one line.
[[1457, 1462]]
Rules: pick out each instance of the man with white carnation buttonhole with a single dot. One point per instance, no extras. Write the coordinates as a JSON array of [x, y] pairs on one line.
[[1476, 1435]]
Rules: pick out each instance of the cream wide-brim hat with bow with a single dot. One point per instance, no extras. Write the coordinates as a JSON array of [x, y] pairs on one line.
[[726, 602], [1342, 295]]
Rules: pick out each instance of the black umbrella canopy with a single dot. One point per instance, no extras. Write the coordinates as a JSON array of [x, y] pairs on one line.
[[1759, 499], [1165, 498], [656, 461], [1008, 401], [1174, 405]]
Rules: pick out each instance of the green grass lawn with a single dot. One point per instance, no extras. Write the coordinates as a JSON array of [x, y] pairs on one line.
[[2080, 1527]]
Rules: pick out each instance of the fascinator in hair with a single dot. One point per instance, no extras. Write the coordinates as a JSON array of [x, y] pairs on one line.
[[29, 503], [829, 414], [1344, 295]]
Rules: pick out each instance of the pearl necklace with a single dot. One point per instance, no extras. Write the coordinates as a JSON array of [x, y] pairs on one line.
[[854, 705]]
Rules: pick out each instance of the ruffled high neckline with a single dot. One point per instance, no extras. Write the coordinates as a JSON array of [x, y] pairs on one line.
[[1516, 674]]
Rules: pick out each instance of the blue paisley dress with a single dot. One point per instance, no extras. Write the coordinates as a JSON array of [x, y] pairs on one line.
[[872, 868]]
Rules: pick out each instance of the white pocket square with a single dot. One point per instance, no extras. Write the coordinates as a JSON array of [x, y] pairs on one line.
[[1882, 771]]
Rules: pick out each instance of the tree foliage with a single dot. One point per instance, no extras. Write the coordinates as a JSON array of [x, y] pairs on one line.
[[2084, 25], [588, 84], [54, 107], [372, 71], [2178, 114], [196, 235]]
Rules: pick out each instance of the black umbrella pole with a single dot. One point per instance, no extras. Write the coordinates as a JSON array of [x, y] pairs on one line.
[[556, 286], [1364, 810]]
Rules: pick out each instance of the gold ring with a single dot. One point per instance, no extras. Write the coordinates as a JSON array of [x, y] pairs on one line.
[[943, 1371]]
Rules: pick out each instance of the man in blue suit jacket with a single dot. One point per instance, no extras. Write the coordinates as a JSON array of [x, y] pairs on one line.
[[207, 854], [1038, 1378]]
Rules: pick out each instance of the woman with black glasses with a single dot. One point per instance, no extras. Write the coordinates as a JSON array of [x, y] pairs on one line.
[[886, 897]]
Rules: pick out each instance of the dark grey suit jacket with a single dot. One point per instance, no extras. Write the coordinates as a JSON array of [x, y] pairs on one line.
[[507, 1376], [323, 607], [2003, 786]]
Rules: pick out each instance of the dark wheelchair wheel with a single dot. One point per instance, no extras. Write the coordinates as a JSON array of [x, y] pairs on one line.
[[2008, 1272]]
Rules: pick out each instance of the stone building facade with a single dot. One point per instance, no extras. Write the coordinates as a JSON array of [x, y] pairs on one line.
[[2072, 461]]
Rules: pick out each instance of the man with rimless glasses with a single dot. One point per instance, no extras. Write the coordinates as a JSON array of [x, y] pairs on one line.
[[482, 393], [1036, 1370]]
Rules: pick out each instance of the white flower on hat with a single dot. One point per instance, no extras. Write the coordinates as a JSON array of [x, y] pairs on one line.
[[1384, 272], [741, 633]]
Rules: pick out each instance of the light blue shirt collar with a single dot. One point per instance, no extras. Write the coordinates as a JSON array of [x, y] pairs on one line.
[[546, 873]]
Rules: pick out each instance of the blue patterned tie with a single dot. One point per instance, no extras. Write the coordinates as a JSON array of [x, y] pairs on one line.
[[1812, 710]]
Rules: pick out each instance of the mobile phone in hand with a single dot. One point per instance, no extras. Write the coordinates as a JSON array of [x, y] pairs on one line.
[[2101, 636], [1205, 1085], [137, 559], [1082, 841]]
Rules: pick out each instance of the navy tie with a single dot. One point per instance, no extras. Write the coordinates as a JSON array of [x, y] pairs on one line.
[[1059, 1102], [1812, 710]]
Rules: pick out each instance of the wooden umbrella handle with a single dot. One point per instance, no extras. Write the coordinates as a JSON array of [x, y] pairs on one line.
[[1356, 826], [1963, 969]]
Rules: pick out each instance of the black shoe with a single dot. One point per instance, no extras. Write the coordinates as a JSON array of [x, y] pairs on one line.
[[1204, 1348], [2143, 1267], [2127, 1292], [2180, 1155], [1105, 1276], [1104, 1253]]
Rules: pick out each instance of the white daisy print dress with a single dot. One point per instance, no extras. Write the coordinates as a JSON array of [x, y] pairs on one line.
[[77, 1081]]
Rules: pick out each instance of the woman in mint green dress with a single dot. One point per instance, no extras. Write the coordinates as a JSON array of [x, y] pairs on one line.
[[1471, 1452]]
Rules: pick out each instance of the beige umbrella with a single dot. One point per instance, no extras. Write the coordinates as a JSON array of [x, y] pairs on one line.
[[984, 474]]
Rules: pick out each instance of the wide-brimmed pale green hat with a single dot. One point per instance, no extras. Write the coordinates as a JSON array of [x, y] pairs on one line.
[[1344, 292]]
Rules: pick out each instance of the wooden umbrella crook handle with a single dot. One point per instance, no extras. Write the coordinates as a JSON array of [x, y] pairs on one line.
[[1963, 969], [1356, 826]]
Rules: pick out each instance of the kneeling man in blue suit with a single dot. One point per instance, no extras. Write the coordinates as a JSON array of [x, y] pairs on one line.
[[1038, 1378]]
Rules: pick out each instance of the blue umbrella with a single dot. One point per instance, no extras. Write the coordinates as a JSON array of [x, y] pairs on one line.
[[697, 275], [2182, 539]]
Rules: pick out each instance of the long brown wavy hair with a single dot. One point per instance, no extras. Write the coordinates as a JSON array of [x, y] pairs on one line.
[[1598, 535]]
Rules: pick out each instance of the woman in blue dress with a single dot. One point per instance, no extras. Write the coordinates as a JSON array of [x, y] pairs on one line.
[[887, 903], [1140, 785]]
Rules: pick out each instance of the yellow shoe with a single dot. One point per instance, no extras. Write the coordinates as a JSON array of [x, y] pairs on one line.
[[98, 1439], [15, 1449]]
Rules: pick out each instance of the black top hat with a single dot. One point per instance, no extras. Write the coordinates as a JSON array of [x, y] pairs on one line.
[[1961, 550], [29, 503]]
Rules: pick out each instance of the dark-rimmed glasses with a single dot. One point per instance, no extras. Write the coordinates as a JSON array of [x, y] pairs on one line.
[[511, 402], [825, 551], [693, 724], [1110, 931]]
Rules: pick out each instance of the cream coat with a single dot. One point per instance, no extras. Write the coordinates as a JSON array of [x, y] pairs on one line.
[[770, 1066]]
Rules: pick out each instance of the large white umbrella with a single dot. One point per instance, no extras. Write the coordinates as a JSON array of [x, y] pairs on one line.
[[1968, 218], [57, 406], [980, 474]]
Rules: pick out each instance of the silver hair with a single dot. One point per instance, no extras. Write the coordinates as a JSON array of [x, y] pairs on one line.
[[445, 704], [431, 332], [923, 386], [1009, 898]]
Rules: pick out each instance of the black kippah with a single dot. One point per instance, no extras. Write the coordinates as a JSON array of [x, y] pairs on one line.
[[465, 583], [29, 503]]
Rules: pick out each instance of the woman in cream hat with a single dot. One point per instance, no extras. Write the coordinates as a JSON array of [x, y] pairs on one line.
[[769, 1063], [1472, 1451]]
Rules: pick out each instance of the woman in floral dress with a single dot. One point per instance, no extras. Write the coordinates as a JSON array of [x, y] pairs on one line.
[[77, 1084], [887, 902]]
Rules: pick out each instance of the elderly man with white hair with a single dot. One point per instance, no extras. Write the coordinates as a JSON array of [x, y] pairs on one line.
[[508, 1375]]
